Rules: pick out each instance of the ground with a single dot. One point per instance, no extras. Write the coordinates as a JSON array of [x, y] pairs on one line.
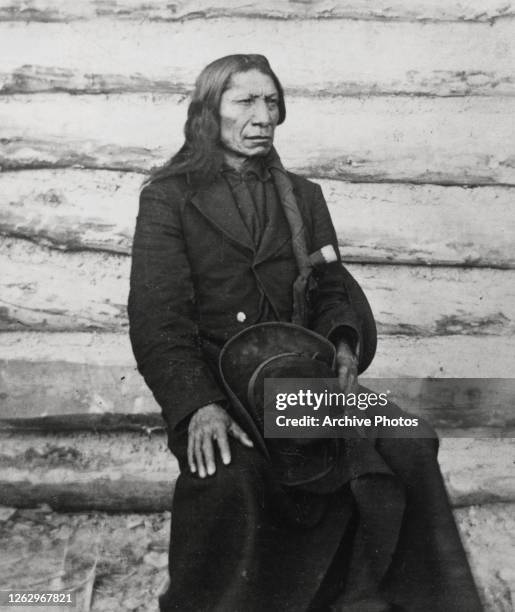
[[125, 556]]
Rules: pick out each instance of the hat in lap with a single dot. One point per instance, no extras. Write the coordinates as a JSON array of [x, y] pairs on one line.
[[280, 350]]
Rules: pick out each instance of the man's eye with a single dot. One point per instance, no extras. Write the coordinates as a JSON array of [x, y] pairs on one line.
[[245, 101], [273, 103]]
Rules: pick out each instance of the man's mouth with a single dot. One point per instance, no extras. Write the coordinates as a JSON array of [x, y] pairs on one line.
[[259, 139]]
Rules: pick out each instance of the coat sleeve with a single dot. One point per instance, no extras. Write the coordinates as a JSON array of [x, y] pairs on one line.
[[333, 313], [161, 306]]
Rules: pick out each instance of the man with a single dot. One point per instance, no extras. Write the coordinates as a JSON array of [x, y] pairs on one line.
[[223, 241]]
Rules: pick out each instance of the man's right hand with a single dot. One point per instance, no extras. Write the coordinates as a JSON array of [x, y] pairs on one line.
[[212, 423]]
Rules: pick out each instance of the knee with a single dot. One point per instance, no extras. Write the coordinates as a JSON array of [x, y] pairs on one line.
[[242, 474], [247, 466]]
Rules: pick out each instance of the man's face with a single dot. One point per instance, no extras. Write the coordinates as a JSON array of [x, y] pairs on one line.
[[249, 112]]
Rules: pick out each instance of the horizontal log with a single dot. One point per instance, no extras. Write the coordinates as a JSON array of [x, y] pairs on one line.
[[404, 59], [110, 422], [429, 140], [427, 224], [442, 83], [416, 10], [76, 290], [88, 472], [396, 357], [45, 378], [71, 209], [46, 289], [376, 222], [106, 397], [444, 356], [465, 464], [456, 407], [136, 473]]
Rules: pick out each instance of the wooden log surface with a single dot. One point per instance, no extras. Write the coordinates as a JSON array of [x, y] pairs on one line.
[[398, 10], [115, 473], [451, 356], [99, 56], [134, 472], [455, 407], [72, 209], [46, 289], [430, 140], [94, 377], [82, 290], [430, 224]]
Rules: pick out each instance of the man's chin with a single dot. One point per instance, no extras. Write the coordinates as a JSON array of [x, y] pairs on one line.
[[259, 150]]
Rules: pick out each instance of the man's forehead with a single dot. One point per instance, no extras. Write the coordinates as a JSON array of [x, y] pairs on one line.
[[252, 82]]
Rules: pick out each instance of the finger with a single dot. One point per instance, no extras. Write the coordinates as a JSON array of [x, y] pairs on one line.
[[348, 382], [199, 457], [347, 378], [237, 432], [343, 378], [191, 458], [223, 445], [353, 377], [353, 382], [209, 454]]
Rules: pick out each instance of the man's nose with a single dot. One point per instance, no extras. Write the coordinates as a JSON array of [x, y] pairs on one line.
[[262, 114]]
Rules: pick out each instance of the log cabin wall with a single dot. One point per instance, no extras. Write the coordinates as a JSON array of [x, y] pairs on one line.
[[403, 111]]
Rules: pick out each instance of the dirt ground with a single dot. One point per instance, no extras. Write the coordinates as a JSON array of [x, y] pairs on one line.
[[131, 554]]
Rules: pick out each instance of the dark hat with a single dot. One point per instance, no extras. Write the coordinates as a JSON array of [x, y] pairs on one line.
[[263, 348], [278, 350], [368, 330]]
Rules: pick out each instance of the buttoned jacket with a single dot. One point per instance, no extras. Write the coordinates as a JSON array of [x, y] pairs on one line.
[[197, 279]]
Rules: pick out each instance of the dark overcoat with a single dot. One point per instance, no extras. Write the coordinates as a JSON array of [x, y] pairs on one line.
[[197, 279]]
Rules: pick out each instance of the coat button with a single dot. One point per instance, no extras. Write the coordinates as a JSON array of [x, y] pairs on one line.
[[240, 317]]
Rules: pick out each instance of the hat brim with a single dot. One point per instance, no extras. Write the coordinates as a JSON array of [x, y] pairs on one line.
[[362, 307], [244, 352]]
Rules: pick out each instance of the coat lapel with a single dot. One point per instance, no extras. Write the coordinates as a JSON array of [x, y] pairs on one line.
[[217, 204], [277, 233]]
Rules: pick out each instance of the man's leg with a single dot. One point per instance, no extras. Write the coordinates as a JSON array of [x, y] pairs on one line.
[[214, 547]]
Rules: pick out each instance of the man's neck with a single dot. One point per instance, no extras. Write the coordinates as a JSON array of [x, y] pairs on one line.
[[235, 161], [240, 163]]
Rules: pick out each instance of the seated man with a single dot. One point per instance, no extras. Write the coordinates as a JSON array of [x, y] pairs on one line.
[[225, 239]]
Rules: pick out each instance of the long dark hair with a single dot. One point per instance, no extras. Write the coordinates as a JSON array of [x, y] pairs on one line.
[[201, 156]]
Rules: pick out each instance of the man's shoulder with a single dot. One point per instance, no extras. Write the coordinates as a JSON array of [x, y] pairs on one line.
[[302, 184], [172, 189]]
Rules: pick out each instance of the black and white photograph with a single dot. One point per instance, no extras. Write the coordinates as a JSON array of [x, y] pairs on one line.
[[257, 306]]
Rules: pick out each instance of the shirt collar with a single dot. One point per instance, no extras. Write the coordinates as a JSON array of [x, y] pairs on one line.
[[257, 166]]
